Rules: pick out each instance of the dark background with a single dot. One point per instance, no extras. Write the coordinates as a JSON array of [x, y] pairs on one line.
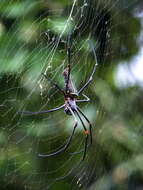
[[29, 45]]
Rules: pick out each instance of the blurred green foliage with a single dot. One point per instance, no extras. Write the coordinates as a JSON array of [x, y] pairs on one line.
[[29, 34]]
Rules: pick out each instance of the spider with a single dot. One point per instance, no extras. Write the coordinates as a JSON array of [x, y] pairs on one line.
[[70, 105]]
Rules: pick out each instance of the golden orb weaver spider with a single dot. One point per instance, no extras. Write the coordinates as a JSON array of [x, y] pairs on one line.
[[70, 106]]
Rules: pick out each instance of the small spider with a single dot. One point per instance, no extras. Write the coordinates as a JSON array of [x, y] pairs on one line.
[[70, 106]]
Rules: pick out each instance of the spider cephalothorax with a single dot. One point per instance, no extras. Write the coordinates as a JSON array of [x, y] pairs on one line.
[[70, 102], [70, 106]]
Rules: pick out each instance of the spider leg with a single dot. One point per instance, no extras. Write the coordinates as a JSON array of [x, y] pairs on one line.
[[84, 100], [54, 84], [87, 135], [90, 125], [94, 69], [68, 142], [85, 147], [39, 112]]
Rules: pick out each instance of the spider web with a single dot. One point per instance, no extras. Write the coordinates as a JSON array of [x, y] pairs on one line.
[[36, 43]]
